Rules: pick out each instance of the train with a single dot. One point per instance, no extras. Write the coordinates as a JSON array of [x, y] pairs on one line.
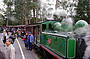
[[56, 39]]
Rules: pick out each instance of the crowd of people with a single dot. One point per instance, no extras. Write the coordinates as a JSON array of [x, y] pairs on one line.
[[27, 37], [9, 38], [7, 42]]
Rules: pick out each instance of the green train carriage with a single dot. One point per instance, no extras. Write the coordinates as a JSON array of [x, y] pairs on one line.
[[54, 39], [58, 45]]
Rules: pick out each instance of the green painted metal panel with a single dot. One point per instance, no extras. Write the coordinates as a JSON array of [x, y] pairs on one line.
[[41, 27], [71, 48], [38, 38], [48, 22], [60, 46], [43, 39], [64, 47], [80, 23], [57, 44], [52, 40]]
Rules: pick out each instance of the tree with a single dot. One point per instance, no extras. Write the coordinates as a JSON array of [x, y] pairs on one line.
[[83, 11], [9, 10], [2, 22], [23, 10], [19, 11]]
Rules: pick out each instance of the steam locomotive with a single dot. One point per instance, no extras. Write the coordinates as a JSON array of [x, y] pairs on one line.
[[59, 40]]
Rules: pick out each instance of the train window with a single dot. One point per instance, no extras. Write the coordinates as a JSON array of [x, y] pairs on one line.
[[43, 27], [50, 27]]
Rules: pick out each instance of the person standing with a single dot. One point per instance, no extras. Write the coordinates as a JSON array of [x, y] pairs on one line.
[[25, 40], [87, 50], [30, 40], [13, 37], [22, 33], [10, 50], [4, 36], [2, 55]]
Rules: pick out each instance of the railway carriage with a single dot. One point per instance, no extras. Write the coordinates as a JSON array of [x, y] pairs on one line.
[[59, 45]]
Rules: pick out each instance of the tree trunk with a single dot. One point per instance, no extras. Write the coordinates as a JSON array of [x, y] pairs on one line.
[[7, 22], [29, 21], [25, 20], [34, 15], [34, 12], [22, 21]]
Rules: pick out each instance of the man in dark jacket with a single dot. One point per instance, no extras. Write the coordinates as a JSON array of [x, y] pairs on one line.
[[13, 37]]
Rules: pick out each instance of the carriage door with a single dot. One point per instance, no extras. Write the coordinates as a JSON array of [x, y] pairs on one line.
[[36, 34]]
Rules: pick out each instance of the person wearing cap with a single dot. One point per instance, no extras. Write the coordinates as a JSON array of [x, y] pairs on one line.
[[30, 40], [10, 50]]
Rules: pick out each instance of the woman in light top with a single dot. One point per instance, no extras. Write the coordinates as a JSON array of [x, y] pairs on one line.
[[4, 36]]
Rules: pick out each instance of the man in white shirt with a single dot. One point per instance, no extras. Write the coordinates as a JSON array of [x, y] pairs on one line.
[[10, 50]]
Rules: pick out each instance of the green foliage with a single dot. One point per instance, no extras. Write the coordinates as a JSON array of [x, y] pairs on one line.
[[9, 4], [82, 11], [19, 9], [8, 9], [23, 9], [2, 22], [13, 22], [32, 5], [5, 1], [39, 19]]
